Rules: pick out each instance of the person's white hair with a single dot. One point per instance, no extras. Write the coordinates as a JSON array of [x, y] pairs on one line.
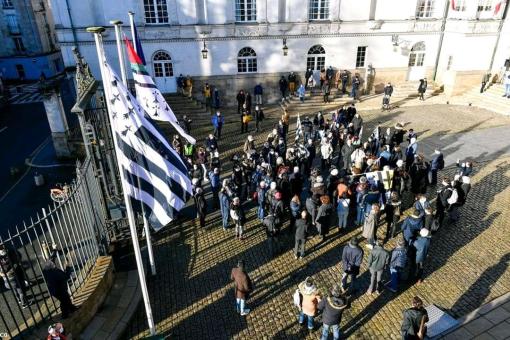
[[424, 232], [279, 161], [296, 169], [273, 185], [400, 163], [319, 179], [262, 184], [334, 172], [250, 138]]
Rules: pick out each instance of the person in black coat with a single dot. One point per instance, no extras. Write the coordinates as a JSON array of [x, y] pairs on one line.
[[56, 280], [201, 205], [332, 308], [241, 97], [283, 84], [301, 228], [413, 318], [419, 175]]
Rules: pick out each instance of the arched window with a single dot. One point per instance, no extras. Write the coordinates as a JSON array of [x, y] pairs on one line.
[[246, 60], [316, 59], [162, 65], [417, 55]]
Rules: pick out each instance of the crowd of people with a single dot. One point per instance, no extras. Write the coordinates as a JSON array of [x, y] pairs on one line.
[[330, 176]]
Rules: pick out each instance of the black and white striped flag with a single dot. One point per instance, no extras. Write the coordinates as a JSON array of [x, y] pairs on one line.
[[154, 174]]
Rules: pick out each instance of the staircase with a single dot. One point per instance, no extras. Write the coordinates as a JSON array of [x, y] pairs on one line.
[[492, 99]]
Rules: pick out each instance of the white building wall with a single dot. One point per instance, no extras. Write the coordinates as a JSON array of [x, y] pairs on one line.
[[469, 41]]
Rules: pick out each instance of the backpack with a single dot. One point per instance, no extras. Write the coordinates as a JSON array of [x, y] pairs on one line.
[[454, 197], [297, 298]]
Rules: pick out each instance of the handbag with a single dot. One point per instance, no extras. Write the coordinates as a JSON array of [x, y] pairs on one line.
[[246, 119]]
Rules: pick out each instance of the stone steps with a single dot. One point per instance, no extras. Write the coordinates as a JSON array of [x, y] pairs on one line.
[[492, 99]]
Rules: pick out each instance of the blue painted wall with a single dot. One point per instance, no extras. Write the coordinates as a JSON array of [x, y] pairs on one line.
[[32, 65]]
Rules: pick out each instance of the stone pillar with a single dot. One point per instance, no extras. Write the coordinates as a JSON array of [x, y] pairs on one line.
[[57, 120]]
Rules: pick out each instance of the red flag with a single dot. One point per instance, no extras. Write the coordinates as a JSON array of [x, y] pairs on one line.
[[498, 7], [453, 5], [132, 55]]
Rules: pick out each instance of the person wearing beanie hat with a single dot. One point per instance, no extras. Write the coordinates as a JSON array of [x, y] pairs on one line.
[[398, 263], [352, 256], [243, 287], [421, 247], [310, 299], [332, 307]]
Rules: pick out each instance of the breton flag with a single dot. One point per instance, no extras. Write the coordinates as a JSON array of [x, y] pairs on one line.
[[153, 172], [149, 96], [299, 130]]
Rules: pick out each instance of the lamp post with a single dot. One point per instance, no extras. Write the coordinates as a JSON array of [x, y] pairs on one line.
[[204, 51], [285, 48]]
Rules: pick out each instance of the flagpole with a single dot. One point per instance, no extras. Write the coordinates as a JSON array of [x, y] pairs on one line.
[[97, 31], [132, 25], [117, 24]]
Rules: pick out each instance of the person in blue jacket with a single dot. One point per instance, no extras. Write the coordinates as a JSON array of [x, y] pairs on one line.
[[436, 164], [421, 246], [411, 226], [217, 121]]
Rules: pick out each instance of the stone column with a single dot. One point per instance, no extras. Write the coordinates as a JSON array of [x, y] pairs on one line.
[[57, 120]]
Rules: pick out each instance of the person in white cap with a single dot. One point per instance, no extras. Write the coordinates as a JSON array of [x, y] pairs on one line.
[[421, 246], [249, 145], [436, 164]]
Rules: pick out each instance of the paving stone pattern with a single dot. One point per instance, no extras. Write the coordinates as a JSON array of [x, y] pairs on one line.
[[192, 296]]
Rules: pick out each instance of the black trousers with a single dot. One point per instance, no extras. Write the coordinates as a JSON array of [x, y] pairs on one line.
[[66, 305]]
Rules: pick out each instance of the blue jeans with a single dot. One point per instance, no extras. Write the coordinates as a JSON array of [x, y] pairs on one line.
[[260, 213], [395, 277], [302, 317], [240, 305], [360, 214], [224, 215], [334, 328], [342, 220], [354, 92], [507, 89]]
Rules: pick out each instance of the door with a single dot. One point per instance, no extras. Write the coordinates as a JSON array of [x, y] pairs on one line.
[[416, 69], [164, 72], [316, 59]]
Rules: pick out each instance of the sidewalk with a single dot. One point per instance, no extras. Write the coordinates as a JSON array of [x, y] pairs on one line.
[[120, 305], [491, 321]]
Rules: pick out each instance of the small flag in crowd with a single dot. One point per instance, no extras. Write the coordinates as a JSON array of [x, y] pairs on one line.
[[149, 96], [154, 174], [299, 130], [498, 6]]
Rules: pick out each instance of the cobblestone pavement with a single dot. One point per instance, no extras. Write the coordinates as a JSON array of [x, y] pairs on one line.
[[192, 296]]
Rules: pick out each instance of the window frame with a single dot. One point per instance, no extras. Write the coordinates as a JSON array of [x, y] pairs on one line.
[[155, 12], [318, 10], [485, 6], [163, 68], [247, 63], [241, 6], [425, 8], [316, 55], [361, 56], [12, 24], [460, 5], [19, 46], [6, 4]]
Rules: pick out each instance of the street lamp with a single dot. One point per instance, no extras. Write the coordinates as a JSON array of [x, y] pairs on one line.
[[285, 48], [204, 51]]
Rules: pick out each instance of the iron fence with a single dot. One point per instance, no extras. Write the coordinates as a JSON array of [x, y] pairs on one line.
[[71, 233]]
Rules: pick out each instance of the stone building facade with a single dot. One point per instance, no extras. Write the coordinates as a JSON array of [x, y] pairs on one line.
[[29, 47], [451, 42]]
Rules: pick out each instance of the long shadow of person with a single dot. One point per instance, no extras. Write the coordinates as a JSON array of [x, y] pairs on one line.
[[481, 288]]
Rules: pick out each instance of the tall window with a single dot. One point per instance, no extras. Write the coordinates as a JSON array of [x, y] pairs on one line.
[[162, 65], [12, 23], [450, 62], [425, 8], [7, 4], [460, 5], [246, 10], [417, 55], [18, 44], [246, 60], [316, 59], [155, 11], [484, 5], [318, 10], [360, 56]]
